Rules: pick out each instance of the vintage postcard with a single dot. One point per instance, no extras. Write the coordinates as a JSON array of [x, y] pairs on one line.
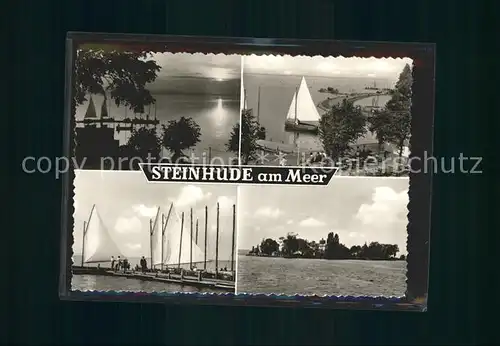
[[235, 171]]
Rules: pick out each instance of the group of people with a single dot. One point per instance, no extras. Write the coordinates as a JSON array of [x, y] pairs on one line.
[[123, 264], [313, 158], [119, 263]]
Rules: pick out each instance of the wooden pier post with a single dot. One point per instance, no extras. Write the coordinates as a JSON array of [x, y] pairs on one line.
[[180, 243], [234, 239], [191, 242], [217, 246], [206, 228]]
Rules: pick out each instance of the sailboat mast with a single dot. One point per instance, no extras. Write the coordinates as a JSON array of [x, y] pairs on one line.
[[191, 242], [234, 238], [85, 229], [206, 229], [83, 242], [258, 106], [217, 246], [180, 243], [296, 99], [151, 242], [196, 235], [164, 227], [162, 239]]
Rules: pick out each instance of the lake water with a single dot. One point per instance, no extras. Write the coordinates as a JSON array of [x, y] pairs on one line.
[[216, 113], [266, 275], [108, 283], [382, 100], [276, 94]]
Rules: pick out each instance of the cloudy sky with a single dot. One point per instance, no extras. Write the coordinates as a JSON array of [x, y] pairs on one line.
[[358, 209], [325, 67], [126, 203]]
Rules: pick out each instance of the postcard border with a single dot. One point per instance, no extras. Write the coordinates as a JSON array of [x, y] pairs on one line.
[[420, 187]]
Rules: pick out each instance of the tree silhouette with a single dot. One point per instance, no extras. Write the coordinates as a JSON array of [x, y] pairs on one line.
[[340, 127], [123, 75], [269, 246], [179, 135], [250, 133], [143, 143]]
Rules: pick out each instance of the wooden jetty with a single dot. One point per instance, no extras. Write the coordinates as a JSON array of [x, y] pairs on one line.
[[179, 279]]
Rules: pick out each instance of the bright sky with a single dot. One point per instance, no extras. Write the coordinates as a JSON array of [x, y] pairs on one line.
[[325, 67], [126, 203], [358, 209], [219, 67]]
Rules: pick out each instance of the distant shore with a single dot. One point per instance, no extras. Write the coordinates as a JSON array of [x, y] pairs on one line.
[[328, 259]]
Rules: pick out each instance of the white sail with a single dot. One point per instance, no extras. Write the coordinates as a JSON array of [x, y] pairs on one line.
[[99, 246], [173, 246], [156, 238], [302, 107], [91, 112]]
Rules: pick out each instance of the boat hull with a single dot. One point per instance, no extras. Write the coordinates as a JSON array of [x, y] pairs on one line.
[[300, 127]]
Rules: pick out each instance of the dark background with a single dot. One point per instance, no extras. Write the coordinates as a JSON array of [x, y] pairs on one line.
[[461, 271]]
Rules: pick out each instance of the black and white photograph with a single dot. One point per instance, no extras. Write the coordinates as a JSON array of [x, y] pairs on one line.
[[132, 105], [352, 113], [346, 239], [133, 236]]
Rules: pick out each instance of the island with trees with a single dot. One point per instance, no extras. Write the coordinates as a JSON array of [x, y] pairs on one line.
[[329, 90], [291, 246]]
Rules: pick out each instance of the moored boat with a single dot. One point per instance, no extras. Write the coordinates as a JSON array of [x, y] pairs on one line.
[[302, 116]]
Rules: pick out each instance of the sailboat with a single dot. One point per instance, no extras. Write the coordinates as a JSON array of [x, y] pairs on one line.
[[302, 116], [91, 113], [177, 246], [97, 245]]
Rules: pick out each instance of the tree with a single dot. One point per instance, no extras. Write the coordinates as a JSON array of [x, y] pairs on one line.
[[269, 246], [123, 75], [250, 133], [341, 127], [145, 142], [179, 135], [393, 123], [290, 244]]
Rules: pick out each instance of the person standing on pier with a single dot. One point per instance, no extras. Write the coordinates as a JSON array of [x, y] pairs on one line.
[[144, 264], [119, 264], [112, 262]]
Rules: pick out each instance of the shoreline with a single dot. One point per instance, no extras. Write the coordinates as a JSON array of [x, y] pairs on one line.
[[331, 259]]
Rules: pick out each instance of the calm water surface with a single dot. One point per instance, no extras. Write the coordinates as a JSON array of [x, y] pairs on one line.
[[321, 277]]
